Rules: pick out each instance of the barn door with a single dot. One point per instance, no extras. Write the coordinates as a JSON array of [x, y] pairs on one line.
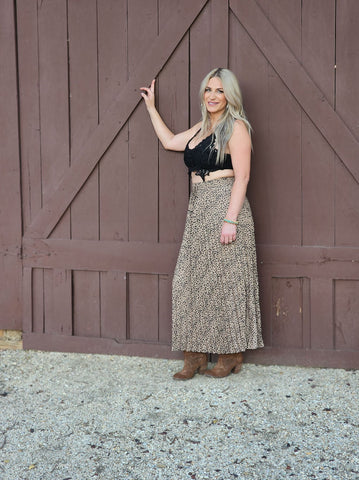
[[104, 204]]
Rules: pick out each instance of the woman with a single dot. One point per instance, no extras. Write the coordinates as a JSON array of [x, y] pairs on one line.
[[215, 288]]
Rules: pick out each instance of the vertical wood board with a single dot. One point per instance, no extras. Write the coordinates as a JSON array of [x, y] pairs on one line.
[[10, 200]]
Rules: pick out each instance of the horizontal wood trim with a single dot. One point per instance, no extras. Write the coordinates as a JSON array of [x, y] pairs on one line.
[[296, 78], [160, 258], [306, 255], [297, 261], [63, 343], [263, 356], [134, 257], [304, 357], [86, 159]]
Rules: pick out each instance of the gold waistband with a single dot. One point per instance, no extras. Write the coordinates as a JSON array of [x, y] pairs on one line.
[[212, 175]]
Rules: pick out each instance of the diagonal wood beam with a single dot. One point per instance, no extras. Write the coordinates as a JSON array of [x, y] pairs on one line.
[[90, 154], [296, 78]]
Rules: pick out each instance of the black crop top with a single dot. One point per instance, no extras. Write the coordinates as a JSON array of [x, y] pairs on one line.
[[202, 158]]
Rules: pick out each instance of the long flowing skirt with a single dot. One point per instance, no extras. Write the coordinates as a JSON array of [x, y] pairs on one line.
[[215, 300]]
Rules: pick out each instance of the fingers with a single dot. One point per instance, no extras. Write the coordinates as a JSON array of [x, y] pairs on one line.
[[227, 239], [150, 89], [228, 234], [146, 91]]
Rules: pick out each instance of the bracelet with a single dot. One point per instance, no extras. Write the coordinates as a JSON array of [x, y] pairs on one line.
[[234, 222]]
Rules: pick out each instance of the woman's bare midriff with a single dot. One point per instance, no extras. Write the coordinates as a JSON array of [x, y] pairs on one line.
[[212, 175]]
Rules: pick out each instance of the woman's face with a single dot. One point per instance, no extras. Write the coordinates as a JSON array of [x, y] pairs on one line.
[[213, 97]]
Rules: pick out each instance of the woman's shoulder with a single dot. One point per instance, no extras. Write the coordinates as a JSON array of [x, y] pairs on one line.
[[239, 126], [192, 132], [240, 133], [196, 127]]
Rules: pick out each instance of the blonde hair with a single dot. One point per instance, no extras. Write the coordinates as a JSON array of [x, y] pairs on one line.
[[234, 110]]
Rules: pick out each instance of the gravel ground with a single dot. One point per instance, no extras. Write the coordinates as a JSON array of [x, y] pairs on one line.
[[81, 417]]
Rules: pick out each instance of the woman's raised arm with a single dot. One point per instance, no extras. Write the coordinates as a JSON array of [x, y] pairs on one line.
[[169, 140]]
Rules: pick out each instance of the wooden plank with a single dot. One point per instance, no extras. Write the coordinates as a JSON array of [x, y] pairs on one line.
[[113, 304], [219, 33], [113, 168], [322, 322], [305, 357], [346, 310], [54, 126], [61, 320], [306, 317], [318, 187], [200, 60], [30, 147], [318, 56], [143, 144], [112, 51], [143, 307], [287, 312], [113, 179], [173, 103], [264, 356], [243, 60], [347, 65], [143, 177], [286, 254], [330, 270], [86, 304], [265, 298], [283, 172], [143, 257], [82, 31], [62, 343], [293, 74], [49, 320], [346, 208], [212, 25], [27, 318], [318, 44], [279, 122], [38, 307], [142, 322], [54, 114], [286, 18], [10, 195], [137, 257], [117, 115], [347, 106], [165, 308]]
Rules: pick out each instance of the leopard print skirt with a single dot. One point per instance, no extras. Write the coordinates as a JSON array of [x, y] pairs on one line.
[[215, 301]]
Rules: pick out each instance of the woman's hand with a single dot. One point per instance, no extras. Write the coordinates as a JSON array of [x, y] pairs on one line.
[[228, 234], [148, 94]]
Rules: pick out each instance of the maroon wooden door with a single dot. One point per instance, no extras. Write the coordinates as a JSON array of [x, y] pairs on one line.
[[104, 204]]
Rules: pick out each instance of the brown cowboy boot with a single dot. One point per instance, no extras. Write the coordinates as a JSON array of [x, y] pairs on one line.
[[193, 362], [226, 364]]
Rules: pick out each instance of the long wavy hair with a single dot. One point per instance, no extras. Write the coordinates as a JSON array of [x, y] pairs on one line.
[[234, 110]]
